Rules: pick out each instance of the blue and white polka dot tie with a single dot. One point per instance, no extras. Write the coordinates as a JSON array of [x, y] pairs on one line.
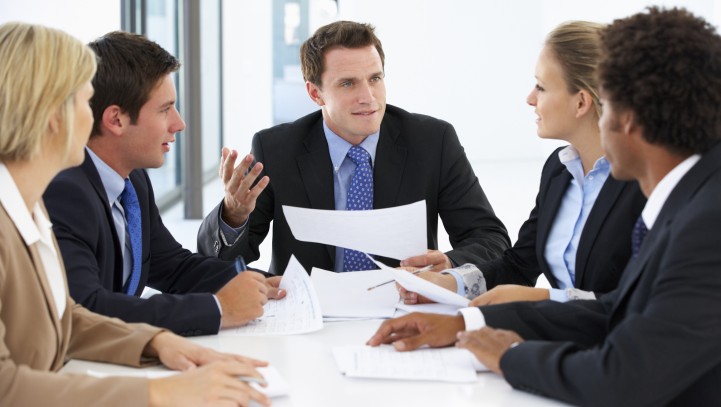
[[637, 235], [360, 197]]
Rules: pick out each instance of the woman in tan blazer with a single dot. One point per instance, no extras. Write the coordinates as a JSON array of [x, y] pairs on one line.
[[45, 121]]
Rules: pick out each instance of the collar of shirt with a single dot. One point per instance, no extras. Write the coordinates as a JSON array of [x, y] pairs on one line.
[[113, 183], [663, 190], [31, 230], [570, 158], [338, 148]]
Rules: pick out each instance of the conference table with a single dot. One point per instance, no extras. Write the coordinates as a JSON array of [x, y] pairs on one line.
[[306, 363]]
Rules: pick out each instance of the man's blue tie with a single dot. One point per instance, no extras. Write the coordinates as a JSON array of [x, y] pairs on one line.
[[637, 236], [129, 200], [360, 197]]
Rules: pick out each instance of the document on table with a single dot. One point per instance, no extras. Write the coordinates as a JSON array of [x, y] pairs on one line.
[[299, 312], [398, 232], [346, 295], [384, 362], [277, 385], [423, 287]]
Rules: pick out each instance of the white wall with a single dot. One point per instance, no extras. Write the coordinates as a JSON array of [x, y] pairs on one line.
[[471, 62], [85, 19], [247, 70]]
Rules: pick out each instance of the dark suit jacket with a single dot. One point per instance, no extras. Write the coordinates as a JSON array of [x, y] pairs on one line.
[[83, 223], [605, 244], [656, 339], [418, 157]]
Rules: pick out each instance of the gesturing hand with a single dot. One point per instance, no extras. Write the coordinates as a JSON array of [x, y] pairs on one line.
[[240, 198]]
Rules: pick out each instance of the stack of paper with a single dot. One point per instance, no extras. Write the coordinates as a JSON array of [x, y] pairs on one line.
[[346, 295]]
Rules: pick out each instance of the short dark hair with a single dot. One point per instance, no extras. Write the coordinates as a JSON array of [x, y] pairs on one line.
[[346, 34], [130, 66], [665, 66]]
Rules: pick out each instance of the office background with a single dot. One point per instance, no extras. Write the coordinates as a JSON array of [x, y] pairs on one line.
[[465, 61]]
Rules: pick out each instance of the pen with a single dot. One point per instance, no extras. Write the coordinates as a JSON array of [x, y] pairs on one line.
[[426, 268], [240, 264], [251, 379]]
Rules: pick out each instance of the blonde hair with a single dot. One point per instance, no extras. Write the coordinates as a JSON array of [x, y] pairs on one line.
[[41, 69], [577, 46]]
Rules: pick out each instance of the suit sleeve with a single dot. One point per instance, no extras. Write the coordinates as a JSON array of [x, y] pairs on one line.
[[651, 356], [77, 224], [94, 338], [519, 264], [210, 243], [475, 232]]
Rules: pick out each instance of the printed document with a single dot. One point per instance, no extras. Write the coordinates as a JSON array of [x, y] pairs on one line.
[[384, 362], [299, 312], [398, 232]]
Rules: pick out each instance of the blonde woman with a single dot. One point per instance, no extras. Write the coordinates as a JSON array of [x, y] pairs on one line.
[[45, 121], [578, 234]]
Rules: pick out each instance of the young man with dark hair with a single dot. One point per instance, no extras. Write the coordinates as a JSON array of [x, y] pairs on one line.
[[656, 340], [110, 233], [355, 139]]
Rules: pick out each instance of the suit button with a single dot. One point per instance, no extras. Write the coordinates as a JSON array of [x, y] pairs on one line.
[[216, 246]]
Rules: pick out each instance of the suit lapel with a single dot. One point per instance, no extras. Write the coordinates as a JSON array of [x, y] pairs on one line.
[[39, 270], [390, 162], [88, 167], [556, 190], [605, 201], [316, 171], [681, 194]]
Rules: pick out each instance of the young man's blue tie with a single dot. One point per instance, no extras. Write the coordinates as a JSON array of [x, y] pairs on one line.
[[131, 207], [360, 197]]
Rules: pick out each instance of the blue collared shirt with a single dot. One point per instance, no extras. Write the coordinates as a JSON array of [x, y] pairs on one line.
[[343, 170], [114, 185], [576, 204]]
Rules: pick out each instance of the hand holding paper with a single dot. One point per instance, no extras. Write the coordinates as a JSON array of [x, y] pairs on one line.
[[425, 288]]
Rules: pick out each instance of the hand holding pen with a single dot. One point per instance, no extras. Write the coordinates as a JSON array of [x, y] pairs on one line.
[[420, 270]]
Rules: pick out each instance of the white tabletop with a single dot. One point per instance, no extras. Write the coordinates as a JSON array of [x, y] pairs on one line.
[[306, 363]]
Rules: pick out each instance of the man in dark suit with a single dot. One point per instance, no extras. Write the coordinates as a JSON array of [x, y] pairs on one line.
[[413, 157], [656, 340], [108, 260]]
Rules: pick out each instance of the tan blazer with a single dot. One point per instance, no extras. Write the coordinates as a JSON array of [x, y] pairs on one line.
[[34, 344]]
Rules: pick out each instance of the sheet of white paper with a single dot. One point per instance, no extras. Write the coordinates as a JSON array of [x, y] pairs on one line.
[[423, 287], [384, 362], [398, 232], [346, 294], [444, 309], [277, 385], [299, 312]]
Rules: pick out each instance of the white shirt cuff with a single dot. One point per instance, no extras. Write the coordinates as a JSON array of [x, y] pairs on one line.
[[220, 309], [473, 317]]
